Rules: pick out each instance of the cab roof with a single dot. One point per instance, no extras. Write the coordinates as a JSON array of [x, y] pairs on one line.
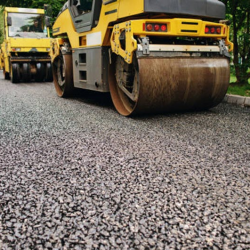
[[24, 10]]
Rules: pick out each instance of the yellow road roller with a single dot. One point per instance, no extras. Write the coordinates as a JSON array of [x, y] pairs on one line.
[[24, 54], [153, 56]]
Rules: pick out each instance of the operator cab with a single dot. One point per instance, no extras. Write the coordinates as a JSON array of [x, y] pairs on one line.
[[80, 7], [85, 13]]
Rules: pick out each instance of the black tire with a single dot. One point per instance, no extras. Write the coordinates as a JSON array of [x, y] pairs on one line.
[[63, 75], [40, 72], [6, 74], [49, 75], [15, 73], [26, 72]]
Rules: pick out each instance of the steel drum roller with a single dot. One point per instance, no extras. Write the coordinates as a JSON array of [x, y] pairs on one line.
[[173, 84]]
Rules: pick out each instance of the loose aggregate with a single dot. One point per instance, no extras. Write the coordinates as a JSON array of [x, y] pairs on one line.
[[74, 174]]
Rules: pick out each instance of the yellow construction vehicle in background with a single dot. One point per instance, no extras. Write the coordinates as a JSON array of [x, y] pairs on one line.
[[153, 56], [25, 51]]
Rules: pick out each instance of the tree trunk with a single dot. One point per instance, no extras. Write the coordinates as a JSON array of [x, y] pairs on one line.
[[236, 48]]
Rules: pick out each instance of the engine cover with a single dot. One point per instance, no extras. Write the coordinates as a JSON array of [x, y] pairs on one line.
[[200, 8]]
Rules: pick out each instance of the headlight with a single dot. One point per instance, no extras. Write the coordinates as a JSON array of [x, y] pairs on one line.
[[16, 49]]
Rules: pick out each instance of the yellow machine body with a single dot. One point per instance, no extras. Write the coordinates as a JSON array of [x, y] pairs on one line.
[[114, 41], [25, 54]]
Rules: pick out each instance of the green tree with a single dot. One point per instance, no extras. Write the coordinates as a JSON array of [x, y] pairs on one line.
[[16, 3], [238, 11], [38, 4], [1, 25], [56, 5]]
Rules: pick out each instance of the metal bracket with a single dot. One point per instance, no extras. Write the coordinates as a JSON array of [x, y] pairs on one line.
[[110, 56], [145, 45], [133, 96], [223, 49]]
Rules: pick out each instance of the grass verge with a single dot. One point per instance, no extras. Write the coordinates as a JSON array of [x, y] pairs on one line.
[[235, 89]]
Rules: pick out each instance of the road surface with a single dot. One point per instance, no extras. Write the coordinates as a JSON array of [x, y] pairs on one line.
[[74, 174]]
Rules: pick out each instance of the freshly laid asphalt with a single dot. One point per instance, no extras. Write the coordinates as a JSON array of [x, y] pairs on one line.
[[74, 174]]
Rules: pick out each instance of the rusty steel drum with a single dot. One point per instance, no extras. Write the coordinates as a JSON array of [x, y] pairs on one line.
[[161, 85]]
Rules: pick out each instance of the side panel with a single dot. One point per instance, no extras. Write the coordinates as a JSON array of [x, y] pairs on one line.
[[64, 25], [130, 8], [5, 56], [90, 68], [30, 44], [1, 59], [201, 8]]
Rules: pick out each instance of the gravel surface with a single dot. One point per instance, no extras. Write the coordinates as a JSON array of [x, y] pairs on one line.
[[74, 174]]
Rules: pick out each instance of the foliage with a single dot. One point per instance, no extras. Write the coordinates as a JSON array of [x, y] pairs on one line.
[[235, 89], [15, 3], [56, 5], [1, 25], [238, 11], [38, 4]]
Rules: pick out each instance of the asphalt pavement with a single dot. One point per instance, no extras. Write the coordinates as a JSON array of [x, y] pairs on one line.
[[74, 174]]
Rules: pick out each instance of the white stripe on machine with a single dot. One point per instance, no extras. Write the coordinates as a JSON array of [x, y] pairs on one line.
[[94, 39]]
